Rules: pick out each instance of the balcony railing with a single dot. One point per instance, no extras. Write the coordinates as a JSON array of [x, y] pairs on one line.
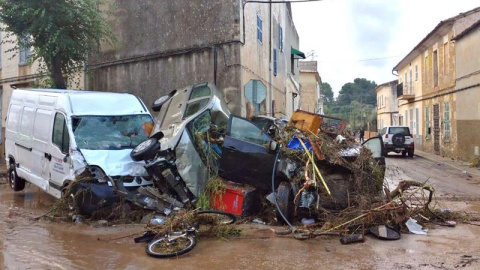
[[404, 93]]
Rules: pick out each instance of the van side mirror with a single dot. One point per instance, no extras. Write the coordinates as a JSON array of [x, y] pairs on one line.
[[65, 158]]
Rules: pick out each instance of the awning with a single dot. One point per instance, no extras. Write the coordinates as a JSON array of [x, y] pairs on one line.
[[296, 54]]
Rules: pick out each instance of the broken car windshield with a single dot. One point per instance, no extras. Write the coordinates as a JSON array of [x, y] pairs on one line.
[[110, 132]]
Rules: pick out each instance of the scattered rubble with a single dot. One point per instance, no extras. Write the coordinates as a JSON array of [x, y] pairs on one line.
[[320, 180]]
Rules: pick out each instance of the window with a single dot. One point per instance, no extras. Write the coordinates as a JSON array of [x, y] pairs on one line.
[[427, 124], [406, 117], [416, 72], [110, 132], [274, 62], [446, 121], [435, 68], [259, 29], [405, 79], [401, 130], [24, 52], [244, 130], [280, 38], [60, 137]]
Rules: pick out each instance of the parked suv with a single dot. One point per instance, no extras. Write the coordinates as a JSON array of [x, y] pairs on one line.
[[398, 139]]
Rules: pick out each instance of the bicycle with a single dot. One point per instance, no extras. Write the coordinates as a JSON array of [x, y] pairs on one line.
[[173, 244]]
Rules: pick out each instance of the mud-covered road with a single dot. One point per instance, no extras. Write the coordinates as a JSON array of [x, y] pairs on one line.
[[26, 243]]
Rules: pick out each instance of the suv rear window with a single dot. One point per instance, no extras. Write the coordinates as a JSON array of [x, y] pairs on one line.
[[402, 130]]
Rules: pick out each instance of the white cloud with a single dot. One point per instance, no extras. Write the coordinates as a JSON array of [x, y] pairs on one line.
[[344, 31]]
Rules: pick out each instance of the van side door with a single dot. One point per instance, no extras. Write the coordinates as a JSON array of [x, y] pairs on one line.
[[59, 149]]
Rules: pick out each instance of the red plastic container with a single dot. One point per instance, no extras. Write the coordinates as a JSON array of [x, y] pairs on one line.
[[232, 200]]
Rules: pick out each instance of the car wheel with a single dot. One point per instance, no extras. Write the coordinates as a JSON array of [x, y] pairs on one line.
[[398, 139], [157, 104], [145, 150], [16, 183], [410, 154], [285, 202]]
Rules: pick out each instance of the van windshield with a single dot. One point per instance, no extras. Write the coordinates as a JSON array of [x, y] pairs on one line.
[[110, 132]]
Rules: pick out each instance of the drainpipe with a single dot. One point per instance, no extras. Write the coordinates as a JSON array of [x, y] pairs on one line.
[[215, 64], [272, 113]]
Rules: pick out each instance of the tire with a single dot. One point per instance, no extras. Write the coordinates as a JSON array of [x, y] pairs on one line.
[[145, 150], [404, 153], [398, 139], [157, 104], [159, 248], [410, 154], [215, 217], [285, 202], [16, 183]]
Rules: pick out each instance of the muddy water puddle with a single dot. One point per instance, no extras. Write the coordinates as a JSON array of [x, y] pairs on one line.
[[26, 243]]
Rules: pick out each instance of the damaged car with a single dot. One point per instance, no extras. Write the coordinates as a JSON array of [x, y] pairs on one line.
[[56, 137], [195, 137]]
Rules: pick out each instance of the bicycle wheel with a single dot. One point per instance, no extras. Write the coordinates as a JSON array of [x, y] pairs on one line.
[[167, 247], [215, 217]]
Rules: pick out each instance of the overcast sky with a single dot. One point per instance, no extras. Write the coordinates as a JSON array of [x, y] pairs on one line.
[[345, 34]]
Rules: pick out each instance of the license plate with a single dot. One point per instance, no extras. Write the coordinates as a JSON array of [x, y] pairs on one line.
[[399, 149]]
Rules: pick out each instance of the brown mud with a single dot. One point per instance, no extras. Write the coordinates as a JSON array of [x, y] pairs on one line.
[[26, 243]]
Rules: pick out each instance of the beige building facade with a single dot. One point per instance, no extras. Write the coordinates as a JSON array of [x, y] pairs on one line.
[[310, 96], [387, 105], [426, 91], [467, 92]]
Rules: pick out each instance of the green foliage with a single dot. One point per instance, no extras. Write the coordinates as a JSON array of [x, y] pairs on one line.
[[327, 93], [356, 103], [62, 33], [361, 90]]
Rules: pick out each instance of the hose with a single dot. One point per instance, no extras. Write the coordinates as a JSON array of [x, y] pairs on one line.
[[274, 194]]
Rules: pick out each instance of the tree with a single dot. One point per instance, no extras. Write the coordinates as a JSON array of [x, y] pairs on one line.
[[361, 90], [62, 33], [327, 92]]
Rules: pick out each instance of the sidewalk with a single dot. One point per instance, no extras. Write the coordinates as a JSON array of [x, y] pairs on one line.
[[462, 166]]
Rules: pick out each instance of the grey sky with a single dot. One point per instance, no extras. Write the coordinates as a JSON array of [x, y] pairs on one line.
[[347, 34]]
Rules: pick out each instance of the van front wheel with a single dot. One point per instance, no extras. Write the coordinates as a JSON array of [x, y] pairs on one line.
[[16, 183]]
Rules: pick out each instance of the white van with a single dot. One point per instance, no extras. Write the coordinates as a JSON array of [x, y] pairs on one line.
[[53, 136]]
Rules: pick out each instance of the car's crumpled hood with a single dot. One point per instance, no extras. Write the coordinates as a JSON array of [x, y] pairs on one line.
[[115, 162]]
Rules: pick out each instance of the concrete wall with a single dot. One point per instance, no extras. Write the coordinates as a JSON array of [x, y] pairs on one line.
[[164, 45], [145, 27], [467, 54]]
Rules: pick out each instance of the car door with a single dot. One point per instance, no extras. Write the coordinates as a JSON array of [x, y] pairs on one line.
[[376, 146], [246, 157], [59, 167]]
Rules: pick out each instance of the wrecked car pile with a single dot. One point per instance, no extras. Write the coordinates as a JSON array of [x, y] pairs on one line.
[[306, 172]]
